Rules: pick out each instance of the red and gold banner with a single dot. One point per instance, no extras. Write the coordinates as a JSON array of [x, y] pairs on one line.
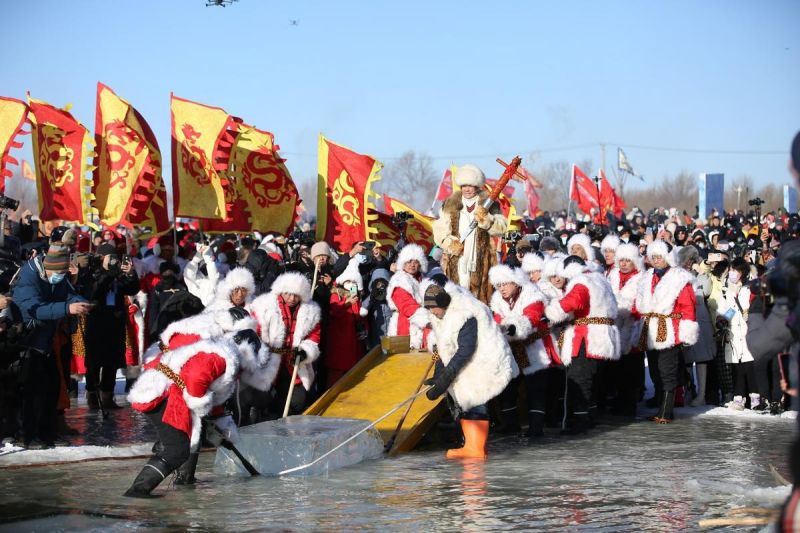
[[13, 114], [419, 230], [61, 148], [202, 139], [344, 194], [262, 195], [381, 229], [128, 184]]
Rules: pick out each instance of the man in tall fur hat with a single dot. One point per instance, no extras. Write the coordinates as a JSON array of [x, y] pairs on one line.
[[518, 306], [589, 311], [665, 311], [288, 322], [475, 362], [468, 255], [405, 294]]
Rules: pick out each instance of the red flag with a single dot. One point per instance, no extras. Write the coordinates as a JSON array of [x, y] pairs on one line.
[[508, 190], [583, 191], [609, 200], [531, 184], [445, 186]]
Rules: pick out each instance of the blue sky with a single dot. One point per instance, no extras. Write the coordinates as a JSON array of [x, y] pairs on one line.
[[461, 81]]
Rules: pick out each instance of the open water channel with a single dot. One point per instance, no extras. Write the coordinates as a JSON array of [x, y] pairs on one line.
[[624, 477]]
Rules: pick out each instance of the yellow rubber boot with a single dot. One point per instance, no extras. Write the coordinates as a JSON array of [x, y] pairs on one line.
[[475, 434]]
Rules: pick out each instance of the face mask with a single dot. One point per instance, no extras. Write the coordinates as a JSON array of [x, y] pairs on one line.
[[55, 279], [733, 276], [564, 241], [361, 259]]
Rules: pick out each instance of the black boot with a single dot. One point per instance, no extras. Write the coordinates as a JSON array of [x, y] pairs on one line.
[[535, 425], [509, 422], [108, 400], [665, 413], [580, 424], [148, 479], [92, 400], [185, 475]]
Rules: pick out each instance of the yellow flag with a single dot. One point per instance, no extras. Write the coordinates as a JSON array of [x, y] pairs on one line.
[[202, 138], [12, 117]]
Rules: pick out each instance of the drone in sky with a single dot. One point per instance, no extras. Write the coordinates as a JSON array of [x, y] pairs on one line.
[[220, 3]]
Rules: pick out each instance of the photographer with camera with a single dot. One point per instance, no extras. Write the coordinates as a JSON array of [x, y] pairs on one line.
[[109, 279], [44, 296]]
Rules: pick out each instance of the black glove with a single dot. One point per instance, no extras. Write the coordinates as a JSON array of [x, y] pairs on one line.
[[238, 313], [300, 355], [511, 330], [440, 383], [248, 335]]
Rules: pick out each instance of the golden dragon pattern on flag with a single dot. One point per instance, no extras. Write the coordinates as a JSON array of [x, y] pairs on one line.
[[61, 147], [128, 184]]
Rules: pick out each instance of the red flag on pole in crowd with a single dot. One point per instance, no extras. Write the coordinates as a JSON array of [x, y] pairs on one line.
[[344, 193], [609, 200], [583, 191], [531, 184], [445, 186]]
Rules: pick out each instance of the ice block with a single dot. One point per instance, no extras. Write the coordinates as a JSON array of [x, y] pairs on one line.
[[278, 445]]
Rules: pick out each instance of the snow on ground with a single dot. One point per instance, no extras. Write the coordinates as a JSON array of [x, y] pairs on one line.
[[11, 455]]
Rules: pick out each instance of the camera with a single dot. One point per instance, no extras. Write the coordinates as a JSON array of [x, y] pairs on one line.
[[302, 238], [7, 202], [401, 218], [512, 237], [756, 202]]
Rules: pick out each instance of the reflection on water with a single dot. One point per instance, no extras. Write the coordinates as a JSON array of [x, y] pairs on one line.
[[638, 477]]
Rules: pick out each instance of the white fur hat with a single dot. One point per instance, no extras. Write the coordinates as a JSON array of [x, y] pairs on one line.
[[627, 251], [551, 265], [610, 242], [659, 248], [412, 252], [500, 274], [582, 240], [532, 263], [292, 283], [238, 277], [351, 273], [203, 325], [469, 175]]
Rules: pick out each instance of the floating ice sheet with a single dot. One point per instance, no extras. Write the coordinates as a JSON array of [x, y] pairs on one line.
[[278, 445]]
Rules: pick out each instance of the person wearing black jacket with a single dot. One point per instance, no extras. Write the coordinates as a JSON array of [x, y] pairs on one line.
[[107, 287], [264, 269]]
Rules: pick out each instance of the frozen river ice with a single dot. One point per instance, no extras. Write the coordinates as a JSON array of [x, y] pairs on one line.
[[625, 477]]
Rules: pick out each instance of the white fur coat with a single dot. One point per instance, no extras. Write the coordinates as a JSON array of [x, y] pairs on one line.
[[530, 294]]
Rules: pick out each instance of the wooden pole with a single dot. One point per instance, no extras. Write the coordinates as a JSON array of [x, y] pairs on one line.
[[291, 389]]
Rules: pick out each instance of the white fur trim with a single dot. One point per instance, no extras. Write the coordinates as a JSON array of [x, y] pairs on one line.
[[500, 274], [237, 278], [469, 174], [570, 271], [204, 325], [532, 263], [659, 248], [551, 266], [403, 280], [273, 330], [610, 242], [412, 252], [556, 314], [662, 301], [688, 332], [491, 367], [292, 283], [582, 240]]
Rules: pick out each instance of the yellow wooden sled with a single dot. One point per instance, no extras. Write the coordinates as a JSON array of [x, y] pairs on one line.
[[380, 380]]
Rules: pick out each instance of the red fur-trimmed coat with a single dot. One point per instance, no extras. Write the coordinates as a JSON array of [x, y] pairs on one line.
[[625, 287], [405, 294], [671, 294], [208, 368], [526, 314], [280, 326], [587, 295]]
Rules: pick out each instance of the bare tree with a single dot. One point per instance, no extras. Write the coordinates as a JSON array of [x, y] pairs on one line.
[[411, 178], [555, 178], [738, 192]]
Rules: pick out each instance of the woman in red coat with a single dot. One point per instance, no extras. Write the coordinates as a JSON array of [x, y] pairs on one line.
[[347, 327]]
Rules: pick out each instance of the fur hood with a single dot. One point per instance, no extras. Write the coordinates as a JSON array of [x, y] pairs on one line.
[[491, 367], [412, 252], [292, 283]]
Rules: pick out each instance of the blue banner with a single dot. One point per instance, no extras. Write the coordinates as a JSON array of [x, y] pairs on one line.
[[790, 198], [711, 189]]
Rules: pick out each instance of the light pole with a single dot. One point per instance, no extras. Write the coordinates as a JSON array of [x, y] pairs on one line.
[[738, 198]]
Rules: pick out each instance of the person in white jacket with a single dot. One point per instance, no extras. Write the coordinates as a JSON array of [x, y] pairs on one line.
[[202, 285], [731, 316]]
